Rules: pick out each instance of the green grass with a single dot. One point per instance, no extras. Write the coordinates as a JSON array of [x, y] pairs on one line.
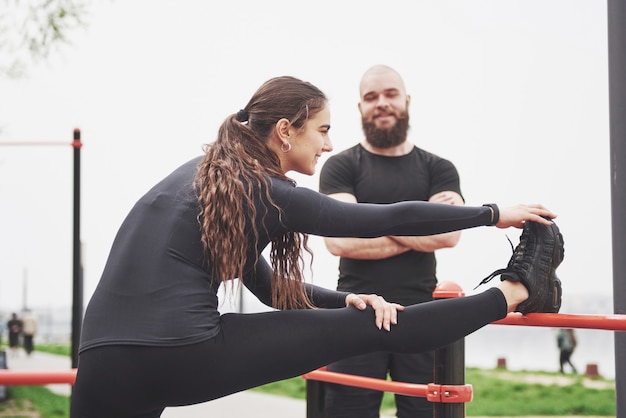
[[35, 398], [497, 392], [24, 399], [62, 350]]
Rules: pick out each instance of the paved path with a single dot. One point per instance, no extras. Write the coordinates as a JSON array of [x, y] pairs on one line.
[[244, 404]]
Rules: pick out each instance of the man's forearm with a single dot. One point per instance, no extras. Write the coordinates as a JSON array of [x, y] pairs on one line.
[[429, 243], [365, 248]]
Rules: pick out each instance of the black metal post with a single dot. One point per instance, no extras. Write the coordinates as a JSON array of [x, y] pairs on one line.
[[315, 407], [77, 283], [449, 369], [616, 10]]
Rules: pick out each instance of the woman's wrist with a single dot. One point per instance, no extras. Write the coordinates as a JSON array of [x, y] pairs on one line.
[[495, 213]]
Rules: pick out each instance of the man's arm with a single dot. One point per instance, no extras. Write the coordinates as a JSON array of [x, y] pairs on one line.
[[435, 242], [362, 248], [385, 247]]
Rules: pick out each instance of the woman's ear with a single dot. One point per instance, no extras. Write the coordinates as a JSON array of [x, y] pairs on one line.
[[279, 136], [283, 128]]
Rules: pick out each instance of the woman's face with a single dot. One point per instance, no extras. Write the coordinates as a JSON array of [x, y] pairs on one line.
[[308, 144]]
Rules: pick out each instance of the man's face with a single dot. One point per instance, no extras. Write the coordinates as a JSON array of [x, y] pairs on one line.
[[384, 110]]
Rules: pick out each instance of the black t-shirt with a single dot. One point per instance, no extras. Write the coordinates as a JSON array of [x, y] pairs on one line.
[[409, 277]]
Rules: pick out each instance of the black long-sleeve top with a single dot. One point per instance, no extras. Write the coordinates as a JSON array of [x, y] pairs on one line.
[[156, 287]]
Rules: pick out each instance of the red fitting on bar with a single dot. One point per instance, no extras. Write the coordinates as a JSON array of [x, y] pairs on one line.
[[77, 143], [448, 290], [449, 393]]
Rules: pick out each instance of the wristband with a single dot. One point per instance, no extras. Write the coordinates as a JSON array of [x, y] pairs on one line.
[[495, 213]]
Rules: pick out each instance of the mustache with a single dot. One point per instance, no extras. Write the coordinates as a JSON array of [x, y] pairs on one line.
[[387, 113]]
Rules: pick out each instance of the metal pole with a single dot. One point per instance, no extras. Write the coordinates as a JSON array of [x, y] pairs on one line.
[[24, 289], [616, 10], [77, 288], [449, 368], [315, 404], [77, 295]]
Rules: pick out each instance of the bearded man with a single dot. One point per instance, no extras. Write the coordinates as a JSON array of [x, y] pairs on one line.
[[386, 168]]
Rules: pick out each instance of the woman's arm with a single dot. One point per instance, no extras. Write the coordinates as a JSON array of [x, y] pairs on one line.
[[386, 313], [259, 282], [310, 212], [307, 211]]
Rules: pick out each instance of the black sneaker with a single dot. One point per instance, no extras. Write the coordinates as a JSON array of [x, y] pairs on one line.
[[534, 263]]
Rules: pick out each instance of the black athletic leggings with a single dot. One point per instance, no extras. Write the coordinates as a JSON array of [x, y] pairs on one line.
[[254, 349]]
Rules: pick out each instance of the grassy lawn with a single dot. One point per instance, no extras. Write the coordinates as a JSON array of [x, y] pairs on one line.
[[35, 402]]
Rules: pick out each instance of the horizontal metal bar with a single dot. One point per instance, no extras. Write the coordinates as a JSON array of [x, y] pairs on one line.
[[605, 322], [36, 377]]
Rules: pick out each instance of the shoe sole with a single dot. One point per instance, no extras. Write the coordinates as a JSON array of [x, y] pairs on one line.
[[558, 254], [553, 291]]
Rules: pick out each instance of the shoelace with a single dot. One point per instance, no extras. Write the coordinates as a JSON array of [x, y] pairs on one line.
[[497, 272]]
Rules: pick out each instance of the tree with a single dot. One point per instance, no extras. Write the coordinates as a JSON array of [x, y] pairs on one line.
[[31, 29]]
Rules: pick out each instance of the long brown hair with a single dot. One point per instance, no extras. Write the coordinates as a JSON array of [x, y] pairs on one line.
[[236, 166]]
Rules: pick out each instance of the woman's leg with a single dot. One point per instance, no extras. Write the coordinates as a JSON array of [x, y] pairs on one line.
[[254, 349], [278, 345]]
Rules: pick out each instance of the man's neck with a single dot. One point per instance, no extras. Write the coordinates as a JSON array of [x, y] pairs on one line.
[[395, 151]]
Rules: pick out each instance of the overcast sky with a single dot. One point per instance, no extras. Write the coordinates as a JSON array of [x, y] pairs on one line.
[[513, 92]]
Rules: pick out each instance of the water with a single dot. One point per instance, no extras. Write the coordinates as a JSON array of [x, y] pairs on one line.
[[54, 325], [534, 348]]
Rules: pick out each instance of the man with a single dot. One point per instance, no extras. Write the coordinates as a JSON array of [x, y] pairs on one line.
[[385, 168], [15, 331], [566, 341]]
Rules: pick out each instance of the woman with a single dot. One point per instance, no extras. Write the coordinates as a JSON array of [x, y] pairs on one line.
[[152, 335]]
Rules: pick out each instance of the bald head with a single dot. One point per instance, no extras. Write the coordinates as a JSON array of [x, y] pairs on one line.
[[384, 107], [381, 72]]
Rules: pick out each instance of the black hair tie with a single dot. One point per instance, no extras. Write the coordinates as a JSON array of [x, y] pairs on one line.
[[242, 115]]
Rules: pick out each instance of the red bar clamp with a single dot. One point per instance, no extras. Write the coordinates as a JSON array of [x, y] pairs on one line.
[[449, 393]]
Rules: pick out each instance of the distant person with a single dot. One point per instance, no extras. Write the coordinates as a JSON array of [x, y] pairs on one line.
[[566, 340], [152, 333], [14, 326], [386, 168], [29, 329]]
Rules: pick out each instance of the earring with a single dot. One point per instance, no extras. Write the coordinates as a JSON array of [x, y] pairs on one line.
[[284, 148]]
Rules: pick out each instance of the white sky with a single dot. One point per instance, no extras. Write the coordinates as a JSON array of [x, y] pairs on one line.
[[515, 93]]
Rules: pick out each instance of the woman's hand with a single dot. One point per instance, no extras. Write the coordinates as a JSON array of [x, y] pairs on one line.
[[517, 215], [386, 313]]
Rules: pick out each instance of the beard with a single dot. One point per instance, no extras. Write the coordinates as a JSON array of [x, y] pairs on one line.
[[387, 138]]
